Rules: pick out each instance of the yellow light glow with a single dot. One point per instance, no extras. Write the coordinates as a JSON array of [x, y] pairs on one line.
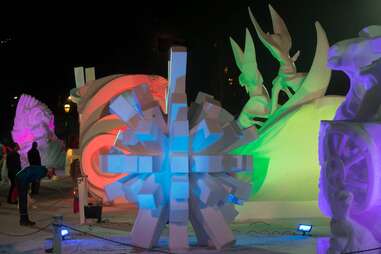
[[67, 108]]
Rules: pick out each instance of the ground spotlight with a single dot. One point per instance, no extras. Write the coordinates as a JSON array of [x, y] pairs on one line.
[[304, 228], [64, 232]]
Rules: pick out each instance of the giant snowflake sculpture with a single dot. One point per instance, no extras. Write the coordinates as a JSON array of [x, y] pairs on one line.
[[179, 168]]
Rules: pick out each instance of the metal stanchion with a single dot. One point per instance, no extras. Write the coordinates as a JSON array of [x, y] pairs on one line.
[[57, 222]]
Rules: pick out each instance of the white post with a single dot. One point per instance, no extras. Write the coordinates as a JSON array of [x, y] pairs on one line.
[[57, 222], [83, 197]]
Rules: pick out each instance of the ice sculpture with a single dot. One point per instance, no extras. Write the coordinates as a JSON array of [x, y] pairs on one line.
[[278, 126], [350, 147], [35, 122], [179, 167], [99, 127], [260, 110]]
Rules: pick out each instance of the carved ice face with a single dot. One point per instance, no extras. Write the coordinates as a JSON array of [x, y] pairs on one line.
[[352, 55]]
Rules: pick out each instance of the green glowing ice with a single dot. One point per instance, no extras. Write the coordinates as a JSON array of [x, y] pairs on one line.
[[261, 111], [285, 156], [285, 153]]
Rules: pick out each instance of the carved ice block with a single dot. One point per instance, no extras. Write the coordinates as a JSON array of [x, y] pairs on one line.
[[119, 163], [121, 107], [205, 133], [217, 228], [148, 225], [150, 195]]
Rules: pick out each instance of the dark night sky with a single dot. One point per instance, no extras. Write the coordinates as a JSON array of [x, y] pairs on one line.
[[47, 43]]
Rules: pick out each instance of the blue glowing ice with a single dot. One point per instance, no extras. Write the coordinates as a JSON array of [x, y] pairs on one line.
[[179, 165]]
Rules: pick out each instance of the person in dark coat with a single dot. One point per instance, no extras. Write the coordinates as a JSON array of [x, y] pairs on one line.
[[23, 179], [14, 166], [34, 160], [75, 171]]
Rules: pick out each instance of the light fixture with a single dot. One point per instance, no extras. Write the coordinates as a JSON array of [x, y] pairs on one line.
[[304, 228], [64, 232], [16, 97], [67, 107]]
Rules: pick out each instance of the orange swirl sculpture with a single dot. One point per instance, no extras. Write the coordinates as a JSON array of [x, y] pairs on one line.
[[98, 127]]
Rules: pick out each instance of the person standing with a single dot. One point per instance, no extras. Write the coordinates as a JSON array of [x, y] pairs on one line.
[[75, 171], [23, 179], [1, 162], [13, 163], [34, 159], [4, 170]]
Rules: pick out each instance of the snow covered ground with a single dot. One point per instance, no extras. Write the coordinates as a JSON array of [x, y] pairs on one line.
[[268, 236]]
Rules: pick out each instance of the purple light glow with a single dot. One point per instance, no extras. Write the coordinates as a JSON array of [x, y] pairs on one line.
[[350, 147], [35, 122]]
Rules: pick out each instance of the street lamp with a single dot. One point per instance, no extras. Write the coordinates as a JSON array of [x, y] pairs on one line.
[[67, 108]]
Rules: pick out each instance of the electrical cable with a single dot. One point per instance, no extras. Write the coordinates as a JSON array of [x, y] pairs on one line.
[[58, 189], [259, 222], [163, 251], [52, 204], [287, 230], [112, 241], [361, 251], [27, 234]]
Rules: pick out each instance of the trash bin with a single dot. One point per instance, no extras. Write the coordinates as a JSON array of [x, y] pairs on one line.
[[93, 212]]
